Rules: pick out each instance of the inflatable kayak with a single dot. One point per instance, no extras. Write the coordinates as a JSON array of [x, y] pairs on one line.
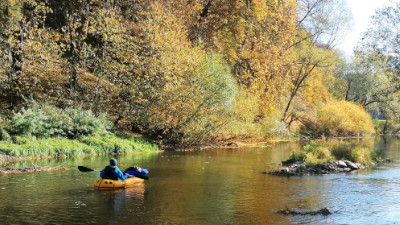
[[115, 184]]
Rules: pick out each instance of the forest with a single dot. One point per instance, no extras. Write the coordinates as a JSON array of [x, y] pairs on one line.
[[195, 72]]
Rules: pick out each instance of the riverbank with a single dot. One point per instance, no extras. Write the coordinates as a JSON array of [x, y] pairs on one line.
[[29, 148]]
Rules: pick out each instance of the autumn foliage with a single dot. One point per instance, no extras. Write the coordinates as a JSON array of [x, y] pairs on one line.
[[342, 118], [184, 73]]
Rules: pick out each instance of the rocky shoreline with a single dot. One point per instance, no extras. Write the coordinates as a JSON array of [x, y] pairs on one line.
[[291, 168]]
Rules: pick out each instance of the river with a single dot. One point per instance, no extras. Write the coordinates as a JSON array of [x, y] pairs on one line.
[[215, 186]]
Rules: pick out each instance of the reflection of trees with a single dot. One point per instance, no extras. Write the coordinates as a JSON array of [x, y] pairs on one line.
[[388, 146], [220, 186]]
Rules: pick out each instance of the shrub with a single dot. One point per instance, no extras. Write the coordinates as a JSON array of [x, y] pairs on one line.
[[4, 136], [86, 123], [343, 150], [344, 118], [376, 155], [43, 120], [365, 156], [316, 154], [297, 155]]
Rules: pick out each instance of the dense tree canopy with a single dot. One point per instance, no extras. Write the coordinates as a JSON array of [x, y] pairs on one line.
[[182, 72]]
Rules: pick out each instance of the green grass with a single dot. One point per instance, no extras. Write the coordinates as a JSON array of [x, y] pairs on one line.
[[63, 147], [119, 143], [379, 122], [43, 130], [379, 125], [315, 154]]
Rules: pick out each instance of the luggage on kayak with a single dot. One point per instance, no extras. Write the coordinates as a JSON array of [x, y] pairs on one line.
[[136, 171]]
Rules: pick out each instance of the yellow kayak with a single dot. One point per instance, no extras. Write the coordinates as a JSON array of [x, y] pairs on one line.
[[115, 184]]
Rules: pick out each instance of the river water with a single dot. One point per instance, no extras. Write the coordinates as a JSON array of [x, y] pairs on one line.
[[218, 186]]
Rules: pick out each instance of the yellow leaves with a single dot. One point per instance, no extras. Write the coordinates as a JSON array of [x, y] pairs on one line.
[[315, 90], [166, 35], [344, 118]]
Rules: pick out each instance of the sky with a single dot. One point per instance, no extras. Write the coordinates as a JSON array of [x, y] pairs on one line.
[[362, 11]]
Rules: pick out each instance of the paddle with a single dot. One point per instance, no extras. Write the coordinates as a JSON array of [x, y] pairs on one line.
[[86, 169]]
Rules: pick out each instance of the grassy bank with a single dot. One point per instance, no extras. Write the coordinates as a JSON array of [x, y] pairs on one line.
[[30, 147]]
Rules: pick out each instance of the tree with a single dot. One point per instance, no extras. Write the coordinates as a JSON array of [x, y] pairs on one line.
[[254, 37], [382, 35], [21, 22], [171, 89], [72, 20], [320, 25], [309, 58], [326, 21], [371, 81], [13, 29]]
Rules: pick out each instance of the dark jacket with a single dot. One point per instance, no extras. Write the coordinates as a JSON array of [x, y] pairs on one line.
[[113, 173]]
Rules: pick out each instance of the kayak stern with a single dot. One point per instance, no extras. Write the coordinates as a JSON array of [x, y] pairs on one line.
[[115, 184]]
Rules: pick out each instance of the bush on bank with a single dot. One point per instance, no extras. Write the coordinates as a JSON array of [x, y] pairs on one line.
[[44, 121], [47, 131], [343, 118]]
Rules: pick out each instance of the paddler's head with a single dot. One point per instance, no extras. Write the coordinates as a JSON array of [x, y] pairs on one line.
[[113, 162]]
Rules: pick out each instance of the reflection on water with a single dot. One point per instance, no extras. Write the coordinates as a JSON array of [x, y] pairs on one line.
[[221, 186], [118, 204]]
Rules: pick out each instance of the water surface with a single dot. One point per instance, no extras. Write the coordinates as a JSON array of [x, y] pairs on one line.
[[219, 186]]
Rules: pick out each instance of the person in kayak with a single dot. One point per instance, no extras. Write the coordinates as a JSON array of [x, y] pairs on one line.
[[113, 172]]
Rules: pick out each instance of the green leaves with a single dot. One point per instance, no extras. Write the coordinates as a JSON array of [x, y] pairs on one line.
[[49, 121]]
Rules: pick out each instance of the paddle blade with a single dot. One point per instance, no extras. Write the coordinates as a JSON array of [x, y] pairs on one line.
[[84, 169], [142, 177]]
